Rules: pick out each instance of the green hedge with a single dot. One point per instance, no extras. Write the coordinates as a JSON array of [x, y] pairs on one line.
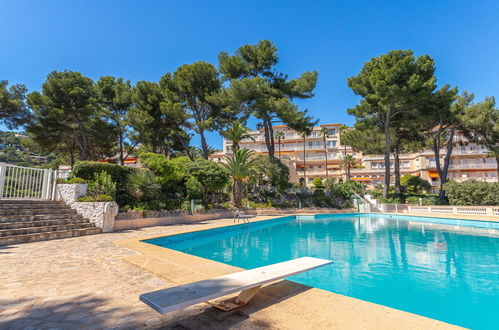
[[99, 198], [87, 169], [472, 192], [119, 174]]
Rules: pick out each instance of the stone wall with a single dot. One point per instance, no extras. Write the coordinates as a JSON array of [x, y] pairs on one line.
[[102, 214], [124, 224]]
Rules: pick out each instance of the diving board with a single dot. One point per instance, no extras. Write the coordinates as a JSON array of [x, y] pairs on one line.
[[248, 282]]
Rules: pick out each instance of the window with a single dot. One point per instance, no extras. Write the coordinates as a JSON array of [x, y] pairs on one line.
[[331, 144], [310, 144], [318, 143], [406, 164], [374, 165], [332, 131]]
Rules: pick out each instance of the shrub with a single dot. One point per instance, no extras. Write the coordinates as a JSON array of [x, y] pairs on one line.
[[317, 182], [119, 174], [87, 170], [159, 165], [77, 180], [98, 198], [273, 172], [143, 185], [211, 176], [102, 184], [414, 184], [70, 181], [194, 188], [472, 192], [346, 189]]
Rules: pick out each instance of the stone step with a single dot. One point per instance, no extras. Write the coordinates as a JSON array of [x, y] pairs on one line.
[[28, 203], [17, 239], [41, 223], [42, 217], [34, 230], [30, 206], [26, 200], [65, 210]]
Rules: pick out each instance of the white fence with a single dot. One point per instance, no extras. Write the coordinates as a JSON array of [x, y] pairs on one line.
[[17, 182], [440, 209]]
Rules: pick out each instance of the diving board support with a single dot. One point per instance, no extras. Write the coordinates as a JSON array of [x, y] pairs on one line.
[[247, 282], [235, 302]]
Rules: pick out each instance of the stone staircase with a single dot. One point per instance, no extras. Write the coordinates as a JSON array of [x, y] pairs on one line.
[[23, 221]]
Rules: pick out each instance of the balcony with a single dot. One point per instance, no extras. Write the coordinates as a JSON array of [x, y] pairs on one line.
[[466, 166]]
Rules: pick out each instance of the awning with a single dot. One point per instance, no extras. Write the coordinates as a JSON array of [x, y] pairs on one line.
[[433, 174]]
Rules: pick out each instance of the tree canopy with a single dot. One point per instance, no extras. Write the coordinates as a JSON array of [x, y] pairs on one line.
[[13, 112], [393, 87], [256, 88]]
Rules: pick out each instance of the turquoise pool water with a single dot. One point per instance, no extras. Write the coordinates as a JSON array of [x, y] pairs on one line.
[[443, 269]]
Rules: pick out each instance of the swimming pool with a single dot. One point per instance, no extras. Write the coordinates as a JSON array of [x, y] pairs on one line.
[[440, 268]]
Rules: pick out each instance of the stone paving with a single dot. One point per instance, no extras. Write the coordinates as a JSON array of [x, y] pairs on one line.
[[84, 283]]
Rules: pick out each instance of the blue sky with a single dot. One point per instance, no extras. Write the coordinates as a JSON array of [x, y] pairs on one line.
[[142, 40]]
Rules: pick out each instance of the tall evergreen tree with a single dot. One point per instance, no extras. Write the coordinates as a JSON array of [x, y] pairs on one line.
[[260, 90], [66, 113], [157, 121], [480, 124], [391, 86], [194, 86], [115, 97], [442, 123], [13, 111]]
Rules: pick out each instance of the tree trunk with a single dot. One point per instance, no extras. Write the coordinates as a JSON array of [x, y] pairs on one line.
[[325, 154], [396, 168], [386, 187], [237, 193], [497, 161], [84, 140], [304, 160], [269, 137], [71, 157], [120, 144], [279, 148], [347, 167], [204, 145], [442, 172]]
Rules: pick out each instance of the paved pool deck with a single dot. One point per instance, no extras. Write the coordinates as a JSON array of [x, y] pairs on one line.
[[94, 282]]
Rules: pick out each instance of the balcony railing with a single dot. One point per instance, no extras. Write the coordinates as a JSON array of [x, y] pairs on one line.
[[467, 166]]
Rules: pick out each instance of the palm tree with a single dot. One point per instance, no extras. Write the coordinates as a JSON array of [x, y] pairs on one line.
[[240, 167], [279, 135], [325, 135], [143, 185], [348, 163], [236, 133]]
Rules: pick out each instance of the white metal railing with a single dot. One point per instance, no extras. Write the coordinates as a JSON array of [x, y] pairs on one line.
[[440, 209], [17, 182]]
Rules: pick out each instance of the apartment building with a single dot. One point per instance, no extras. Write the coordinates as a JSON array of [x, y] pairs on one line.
[[306, 158]]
